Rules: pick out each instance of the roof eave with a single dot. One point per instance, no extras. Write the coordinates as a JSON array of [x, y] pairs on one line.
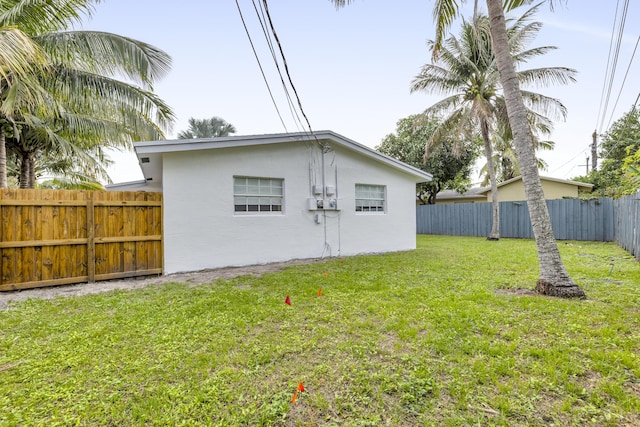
[[167, 146]]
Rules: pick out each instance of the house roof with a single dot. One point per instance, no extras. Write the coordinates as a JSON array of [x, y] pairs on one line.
[[472, 193], [477, 192], [150, 152], [543, 178]]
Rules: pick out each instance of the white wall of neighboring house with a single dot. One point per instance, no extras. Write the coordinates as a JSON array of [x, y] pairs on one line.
[[201, 229]]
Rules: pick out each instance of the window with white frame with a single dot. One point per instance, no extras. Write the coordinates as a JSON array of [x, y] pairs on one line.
[[257, 195], [370, 198]]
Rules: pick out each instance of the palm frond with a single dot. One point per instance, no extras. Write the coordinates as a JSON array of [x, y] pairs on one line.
[[549, 107], [522, 57], [40, 16], [444, 13], [542, 77], [83, 91], [436, 79], [106, 54]]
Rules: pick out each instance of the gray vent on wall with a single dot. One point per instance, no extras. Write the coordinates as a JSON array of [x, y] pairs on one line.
[[144, 160]]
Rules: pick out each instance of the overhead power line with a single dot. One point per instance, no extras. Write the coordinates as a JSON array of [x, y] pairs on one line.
[[606, 70], [284, 61], [260, 65], [612, 63], [262, 19], [623, 82], [571, 160]]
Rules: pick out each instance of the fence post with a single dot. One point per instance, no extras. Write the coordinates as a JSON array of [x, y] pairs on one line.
[[91, 245]]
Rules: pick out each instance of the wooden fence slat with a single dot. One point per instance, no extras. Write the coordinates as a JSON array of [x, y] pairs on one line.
[[91, 247], [43, 283]]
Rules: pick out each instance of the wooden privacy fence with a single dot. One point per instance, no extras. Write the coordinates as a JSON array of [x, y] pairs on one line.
[[572, 219], [57, 237], [628, 223], [603, 220]]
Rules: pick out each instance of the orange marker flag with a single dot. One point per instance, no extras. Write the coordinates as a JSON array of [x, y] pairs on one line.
[[320, 292], [287, 300], [295, 397], [300, 387]]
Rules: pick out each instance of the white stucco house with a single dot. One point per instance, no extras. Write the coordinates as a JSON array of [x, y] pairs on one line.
[[243, 200]]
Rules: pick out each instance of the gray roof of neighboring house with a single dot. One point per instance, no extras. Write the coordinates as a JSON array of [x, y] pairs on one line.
[[547, 178], [473, 193], [150, 152]]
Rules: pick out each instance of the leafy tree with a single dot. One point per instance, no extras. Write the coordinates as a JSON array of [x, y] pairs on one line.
[[632, 169], [94, 90], [207, 128], [554, 279], [450, 169], [465, 69], [618, 152]]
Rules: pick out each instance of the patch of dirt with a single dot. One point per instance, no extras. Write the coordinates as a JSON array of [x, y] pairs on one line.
[[193, 277], [516, 291]]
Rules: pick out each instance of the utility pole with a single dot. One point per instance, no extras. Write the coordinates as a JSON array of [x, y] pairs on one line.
[[586, 163], [594, 151]]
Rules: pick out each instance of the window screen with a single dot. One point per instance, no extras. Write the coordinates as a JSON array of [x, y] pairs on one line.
[[257, 194], [370, 198]]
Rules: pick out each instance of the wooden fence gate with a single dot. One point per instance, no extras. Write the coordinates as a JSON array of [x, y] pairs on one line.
[[58, 237]]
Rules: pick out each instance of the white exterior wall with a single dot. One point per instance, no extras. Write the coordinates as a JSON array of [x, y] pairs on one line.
[[201, 229]]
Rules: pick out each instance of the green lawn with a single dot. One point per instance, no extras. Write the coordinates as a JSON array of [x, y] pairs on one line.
[[429, 337]]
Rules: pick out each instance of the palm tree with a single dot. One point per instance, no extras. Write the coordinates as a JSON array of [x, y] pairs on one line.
[[504, 156], [554, 278], [20, 59], [43, 152], [466, 69], [55, 171], [84, 103], [207, 128]]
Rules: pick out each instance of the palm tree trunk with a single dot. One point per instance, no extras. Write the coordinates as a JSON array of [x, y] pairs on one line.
[[495, 206], [24, 170], [3, 160], [32, 171], [554, 279]]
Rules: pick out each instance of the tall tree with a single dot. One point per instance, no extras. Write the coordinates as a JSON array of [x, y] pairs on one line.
[[618, 147], [554, 279], [21, 60], [96, 88], [42, 152], [465, 69], [207, 128], [450, 163]]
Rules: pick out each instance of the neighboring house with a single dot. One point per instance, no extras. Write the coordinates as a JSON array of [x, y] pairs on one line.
[[242, 200], [474, 195], [513, 190]]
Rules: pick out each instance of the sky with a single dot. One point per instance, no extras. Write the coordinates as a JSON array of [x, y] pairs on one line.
[[352, 68]]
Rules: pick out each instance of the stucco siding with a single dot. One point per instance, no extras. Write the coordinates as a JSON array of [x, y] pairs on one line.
[[557, 190], [202, 230], [514, 191]]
